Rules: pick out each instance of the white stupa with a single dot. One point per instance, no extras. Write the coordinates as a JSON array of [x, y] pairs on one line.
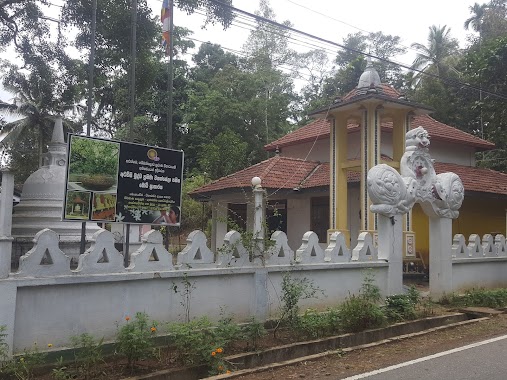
[[42, 201]]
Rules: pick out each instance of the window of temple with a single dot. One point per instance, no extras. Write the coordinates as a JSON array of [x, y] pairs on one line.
[[319, 217], [276, 215]]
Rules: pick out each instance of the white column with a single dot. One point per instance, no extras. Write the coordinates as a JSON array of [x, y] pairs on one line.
[[6, 223], [390, 236], [440, 256], [258, 217]]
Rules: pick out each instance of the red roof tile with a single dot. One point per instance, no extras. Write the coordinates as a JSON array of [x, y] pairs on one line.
[[289, 173], [385, 88], [477, 179], [319, 129], [276, 172]]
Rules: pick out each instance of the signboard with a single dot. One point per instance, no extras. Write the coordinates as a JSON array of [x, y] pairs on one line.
[[114, 181]]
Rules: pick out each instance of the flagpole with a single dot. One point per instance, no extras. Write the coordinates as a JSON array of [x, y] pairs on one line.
[[170, 77], [91, 67], [126, 227]]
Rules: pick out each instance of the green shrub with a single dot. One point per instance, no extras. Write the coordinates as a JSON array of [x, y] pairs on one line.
[[314, 324], [361, 312], [87, 354], [134, 339], [252, 332], [22, 367], [478, 297], [293, 291], [358, 313], [226, 331], [199, 342], [400, 307], [4, 347]]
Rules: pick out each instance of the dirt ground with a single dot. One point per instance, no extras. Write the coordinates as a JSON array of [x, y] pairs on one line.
[[340, 366]]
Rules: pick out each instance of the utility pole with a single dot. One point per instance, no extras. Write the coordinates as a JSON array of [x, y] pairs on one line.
[[91, 67]]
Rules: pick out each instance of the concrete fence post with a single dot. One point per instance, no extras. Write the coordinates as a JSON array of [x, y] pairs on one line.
[[440, 256], [6, 223], [390, 236]]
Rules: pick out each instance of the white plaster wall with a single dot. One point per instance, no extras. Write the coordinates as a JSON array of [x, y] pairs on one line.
[[386, 144], [318, 151], [51, 310], [334, 285], [479, 272], [452, 153], [354, 146], [298, 220]]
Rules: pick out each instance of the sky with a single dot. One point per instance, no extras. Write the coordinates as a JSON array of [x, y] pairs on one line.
[[329, 19]]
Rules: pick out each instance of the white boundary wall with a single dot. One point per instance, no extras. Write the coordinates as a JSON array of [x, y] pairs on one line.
[[482, 263], [47, 302]]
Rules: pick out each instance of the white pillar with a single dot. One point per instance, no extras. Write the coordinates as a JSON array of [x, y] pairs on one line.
[[258, 217], [6, 223], [390, 236], [440, 256]]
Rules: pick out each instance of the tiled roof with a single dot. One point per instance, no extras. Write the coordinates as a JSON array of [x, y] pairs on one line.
[[477, 179], [319, 129], [290, 173], [386, 90], [276, 172]]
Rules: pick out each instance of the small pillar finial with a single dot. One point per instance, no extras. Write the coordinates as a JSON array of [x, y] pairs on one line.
[[256, 182]]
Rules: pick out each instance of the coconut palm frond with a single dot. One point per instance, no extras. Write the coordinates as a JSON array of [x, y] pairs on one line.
[[11, 131]]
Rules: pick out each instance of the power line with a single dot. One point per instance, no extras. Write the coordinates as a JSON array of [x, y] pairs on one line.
[[324, 40]]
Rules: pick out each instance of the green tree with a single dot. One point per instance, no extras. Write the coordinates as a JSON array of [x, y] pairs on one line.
[[439, 53], [475, 21], [484, 66], [20, 20]]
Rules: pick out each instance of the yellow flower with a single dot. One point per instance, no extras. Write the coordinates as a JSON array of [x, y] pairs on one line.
[[228, 372], [153, 329], [127, 318], [220, 368], [219, 350], [213, 353], [50, 345]]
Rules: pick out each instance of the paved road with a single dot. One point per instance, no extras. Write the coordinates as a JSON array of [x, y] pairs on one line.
[[479, 361]]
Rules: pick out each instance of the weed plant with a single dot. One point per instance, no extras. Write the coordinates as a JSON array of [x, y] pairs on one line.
[[23, 366], [314, 324], [61, 371], [87, 354], [293, 291], [478, 297], [252, 332], [4, 347], [362, 311]]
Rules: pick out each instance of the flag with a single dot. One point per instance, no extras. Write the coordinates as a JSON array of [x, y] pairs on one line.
[[165, 18]]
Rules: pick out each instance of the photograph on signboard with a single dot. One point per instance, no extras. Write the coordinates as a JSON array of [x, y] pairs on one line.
[[104, 206], [77, 205], [169, 217], [93, 164]]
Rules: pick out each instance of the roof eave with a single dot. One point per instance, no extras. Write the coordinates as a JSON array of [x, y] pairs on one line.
[[417, 108]]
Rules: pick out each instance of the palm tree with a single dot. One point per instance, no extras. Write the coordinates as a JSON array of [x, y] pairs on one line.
[[476, 20], [438, 54], [34, 116]]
